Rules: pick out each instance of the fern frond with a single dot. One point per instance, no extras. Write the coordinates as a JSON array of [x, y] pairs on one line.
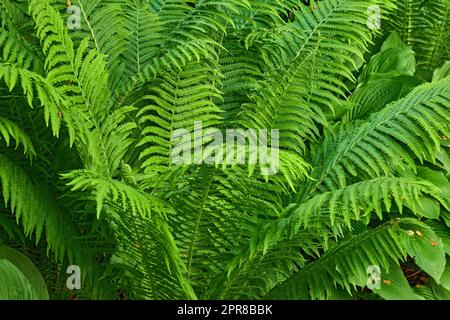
[[190, 39], [241, 68], [82, 73], [11, 130], [149, 255], [146, 249], [98, 17], [404, 18], [170, 12], [16, 50], [16, 11], [180, 100], [82, 77], [433, 45], [211, 221], [304, 58], [425, 25], [37, 210], [249, 278], [404, 130], [338, 209], [113, 191], [34, 85], [345, 265], [143, 38]]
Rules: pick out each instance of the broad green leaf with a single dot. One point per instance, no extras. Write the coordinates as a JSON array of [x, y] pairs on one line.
[[390, 63], [445, 279], [442, 72], [393, 41], [373, 96], [443, 159], [438, 179], [14, 284], [340, 294], [443, 232], [426, 248], [439, 291], [28, 269], [394, 286], [428, 208], [425, 292]]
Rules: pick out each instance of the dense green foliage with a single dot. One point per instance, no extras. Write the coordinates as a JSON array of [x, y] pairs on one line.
[[87, 116]]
